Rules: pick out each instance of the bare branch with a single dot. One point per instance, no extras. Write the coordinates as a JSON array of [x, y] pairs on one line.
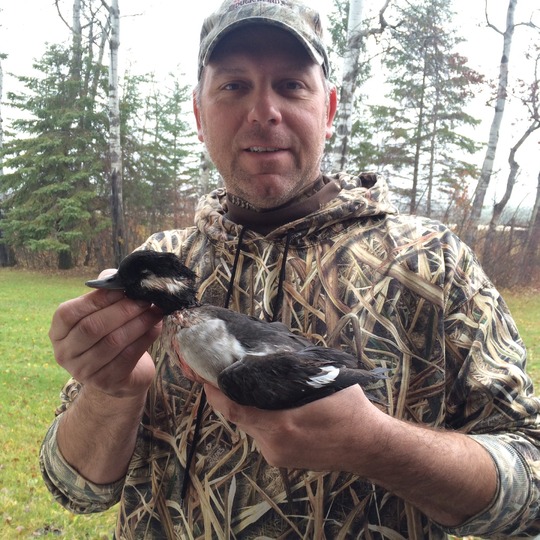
[[488, 21], [106, 6], [61, 16], [528, 25], [383, 23]]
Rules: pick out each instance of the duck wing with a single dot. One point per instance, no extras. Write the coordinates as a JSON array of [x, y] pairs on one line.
[[284, 380]]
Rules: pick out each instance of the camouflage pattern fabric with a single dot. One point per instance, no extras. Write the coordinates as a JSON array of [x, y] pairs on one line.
[[403, 293]]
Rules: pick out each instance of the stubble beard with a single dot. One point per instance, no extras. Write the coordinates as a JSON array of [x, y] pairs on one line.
[[277, 193]]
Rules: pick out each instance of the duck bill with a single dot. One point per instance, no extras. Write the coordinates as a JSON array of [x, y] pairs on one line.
[[109, 282]]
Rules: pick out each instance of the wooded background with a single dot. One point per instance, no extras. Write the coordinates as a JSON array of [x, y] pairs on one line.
[[96, 160]]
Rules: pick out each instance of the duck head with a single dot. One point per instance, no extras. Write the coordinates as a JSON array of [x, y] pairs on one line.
[[159, 278]]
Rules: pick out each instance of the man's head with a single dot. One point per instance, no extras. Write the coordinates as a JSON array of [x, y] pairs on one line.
[[263, 105], [290, 15]]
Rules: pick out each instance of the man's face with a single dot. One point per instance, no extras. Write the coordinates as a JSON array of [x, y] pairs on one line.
[[264, 115]]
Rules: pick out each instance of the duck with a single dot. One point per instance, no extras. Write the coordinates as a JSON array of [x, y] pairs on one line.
[[253, 362]]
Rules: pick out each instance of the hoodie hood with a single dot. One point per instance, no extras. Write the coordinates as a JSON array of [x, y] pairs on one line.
[[352, 197]]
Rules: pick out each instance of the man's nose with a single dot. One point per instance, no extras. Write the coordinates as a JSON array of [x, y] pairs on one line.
[[264, 107]]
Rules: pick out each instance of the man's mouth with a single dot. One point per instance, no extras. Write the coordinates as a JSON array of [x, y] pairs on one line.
[[262, 149]]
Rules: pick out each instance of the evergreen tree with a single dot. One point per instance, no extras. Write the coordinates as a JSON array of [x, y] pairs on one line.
[[54, 165], [160, 163], [7, 257], [419, 127]]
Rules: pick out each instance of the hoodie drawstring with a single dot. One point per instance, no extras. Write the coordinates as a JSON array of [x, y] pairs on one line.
[[282, 274], [202, 402], [276, 309], [234, 268]]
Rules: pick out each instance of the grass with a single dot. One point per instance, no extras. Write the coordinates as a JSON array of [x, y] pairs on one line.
[[525, 308], [30, 382]]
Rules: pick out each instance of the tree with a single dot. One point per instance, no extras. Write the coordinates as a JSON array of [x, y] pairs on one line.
[[168, 163], [7, 257], [160, 165], [2, 57], [350, 47], [55, 171], [119, 240], [343, 123], [531, 100], [109, 31], [498, 112], [530, 253], [419, 126]]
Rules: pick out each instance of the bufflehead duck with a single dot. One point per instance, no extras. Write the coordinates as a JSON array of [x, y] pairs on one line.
[[253, 362]]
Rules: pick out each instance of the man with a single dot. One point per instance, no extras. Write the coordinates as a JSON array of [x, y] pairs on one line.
[[455, 450]]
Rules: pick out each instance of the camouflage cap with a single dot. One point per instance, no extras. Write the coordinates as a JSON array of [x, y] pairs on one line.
[[291, 15]]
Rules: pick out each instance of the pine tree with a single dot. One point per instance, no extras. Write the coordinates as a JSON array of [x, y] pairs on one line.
[[419, 127], [160, 163], [7, 257], [54, 165]]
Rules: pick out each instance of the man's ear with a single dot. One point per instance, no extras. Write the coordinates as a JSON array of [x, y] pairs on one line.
[[197, 113], [331, 112]]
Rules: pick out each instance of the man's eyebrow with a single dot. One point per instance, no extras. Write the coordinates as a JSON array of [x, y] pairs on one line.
[[221, 69]]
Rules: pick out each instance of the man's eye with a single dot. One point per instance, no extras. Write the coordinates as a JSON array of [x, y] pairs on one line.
[[232, 86], [293, 85]]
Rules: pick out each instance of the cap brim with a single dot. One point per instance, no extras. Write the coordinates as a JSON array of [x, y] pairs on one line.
[[248, 21]]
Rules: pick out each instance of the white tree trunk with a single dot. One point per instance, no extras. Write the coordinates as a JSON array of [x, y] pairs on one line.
[[1, 120], [115, 149], [205, 166], [77, 27], [343, 121], [530, 256], [490, 254], [489, 159]]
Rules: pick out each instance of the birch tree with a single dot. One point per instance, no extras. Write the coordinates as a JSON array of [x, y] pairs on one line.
[[115, 147], [77, 40], [530, 254], [498, 113], [356, 34], [531, 101], [343, 122]]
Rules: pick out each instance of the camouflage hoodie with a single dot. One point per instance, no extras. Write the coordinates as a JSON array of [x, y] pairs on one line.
[[400, 292]]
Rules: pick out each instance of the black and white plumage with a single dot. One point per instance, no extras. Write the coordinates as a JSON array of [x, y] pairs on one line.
[[210, 338], [301, 377], [159, 278], [253, 362]]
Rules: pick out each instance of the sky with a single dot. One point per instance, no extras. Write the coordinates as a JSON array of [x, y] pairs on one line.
[[161, 36], [167, 30]]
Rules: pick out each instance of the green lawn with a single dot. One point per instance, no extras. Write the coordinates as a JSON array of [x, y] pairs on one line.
[[30, 382], [525, 308]]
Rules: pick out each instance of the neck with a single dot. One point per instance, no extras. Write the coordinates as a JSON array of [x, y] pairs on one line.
[[314, 197]]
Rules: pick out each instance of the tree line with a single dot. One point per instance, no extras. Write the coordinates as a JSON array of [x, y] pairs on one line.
[[96, 160]]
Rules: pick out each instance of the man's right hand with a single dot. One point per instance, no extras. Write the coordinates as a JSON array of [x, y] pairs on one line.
[[101, 339]]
